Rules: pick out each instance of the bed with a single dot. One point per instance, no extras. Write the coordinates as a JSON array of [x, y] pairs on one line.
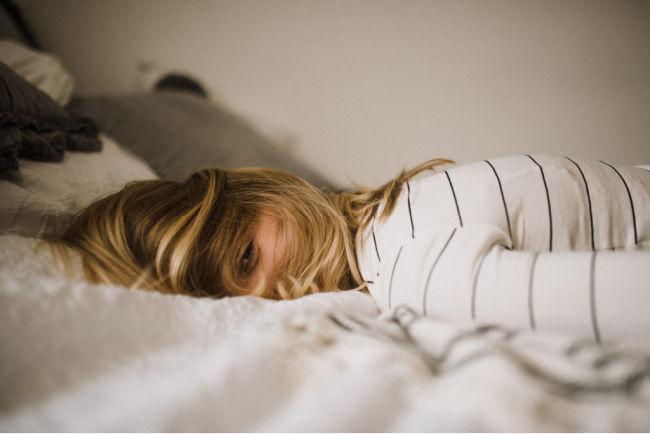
[[85, 357]]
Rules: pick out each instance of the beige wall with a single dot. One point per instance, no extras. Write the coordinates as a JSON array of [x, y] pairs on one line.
[[362, 88]]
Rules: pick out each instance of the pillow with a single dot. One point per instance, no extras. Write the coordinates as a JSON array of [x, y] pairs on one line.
[[39, 199], [33, 126], [178, 133], [43, 70]]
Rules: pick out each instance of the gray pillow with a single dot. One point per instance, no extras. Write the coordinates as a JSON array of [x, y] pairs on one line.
[[178, 133]]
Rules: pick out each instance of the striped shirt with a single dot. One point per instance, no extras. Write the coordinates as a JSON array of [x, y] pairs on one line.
[[543, 242]]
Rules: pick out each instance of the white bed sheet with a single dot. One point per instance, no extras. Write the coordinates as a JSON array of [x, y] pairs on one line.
[[82, 357]]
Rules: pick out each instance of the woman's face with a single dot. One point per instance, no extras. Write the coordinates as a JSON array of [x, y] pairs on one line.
[[262, 255]]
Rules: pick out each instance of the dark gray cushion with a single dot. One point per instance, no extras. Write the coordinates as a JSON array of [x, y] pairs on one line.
[[178, 133], [33, 126]]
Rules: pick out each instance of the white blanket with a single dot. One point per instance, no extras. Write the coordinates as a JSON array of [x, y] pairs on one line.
[[82, 357]]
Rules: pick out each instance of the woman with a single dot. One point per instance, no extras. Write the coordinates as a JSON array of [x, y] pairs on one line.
[[478, 241], [247, 231]]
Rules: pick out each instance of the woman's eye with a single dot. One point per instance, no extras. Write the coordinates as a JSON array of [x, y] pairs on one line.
[[246, 257]]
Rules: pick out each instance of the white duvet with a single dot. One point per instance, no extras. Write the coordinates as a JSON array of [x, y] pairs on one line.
[[82, 357]]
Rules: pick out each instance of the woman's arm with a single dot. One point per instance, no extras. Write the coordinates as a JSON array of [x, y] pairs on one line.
[[466, 274]]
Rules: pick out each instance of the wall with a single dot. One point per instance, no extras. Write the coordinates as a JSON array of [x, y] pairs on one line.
[[362, 88]]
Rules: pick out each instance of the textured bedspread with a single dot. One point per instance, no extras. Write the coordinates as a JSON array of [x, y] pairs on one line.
[[81, 357]]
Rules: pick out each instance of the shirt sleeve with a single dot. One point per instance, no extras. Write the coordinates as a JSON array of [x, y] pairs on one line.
[[469, 274]]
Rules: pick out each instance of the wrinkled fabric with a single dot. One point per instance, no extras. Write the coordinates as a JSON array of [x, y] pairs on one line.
[[35, 127], [43, 70], [84, 357]]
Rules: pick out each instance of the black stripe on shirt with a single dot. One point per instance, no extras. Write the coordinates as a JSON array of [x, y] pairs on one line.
[[408, 201], [433, 266], [453, 192], [531, 306], [591, 216], [503, 198], [548, 202], [592, 298], [629, 195], [374, 240], [392, 274]]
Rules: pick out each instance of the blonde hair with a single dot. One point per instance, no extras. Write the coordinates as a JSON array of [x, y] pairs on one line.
[[361, 206], [184, 238]]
